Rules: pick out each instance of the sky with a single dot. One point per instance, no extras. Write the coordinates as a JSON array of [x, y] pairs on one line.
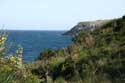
[[56, 14]]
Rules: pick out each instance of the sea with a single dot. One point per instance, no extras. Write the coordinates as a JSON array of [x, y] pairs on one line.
[[33, 42]]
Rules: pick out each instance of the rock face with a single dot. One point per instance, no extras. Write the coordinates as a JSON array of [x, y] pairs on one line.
[[86, 26]]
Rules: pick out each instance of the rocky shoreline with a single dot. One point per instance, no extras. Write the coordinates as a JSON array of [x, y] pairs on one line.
[[86, 26]]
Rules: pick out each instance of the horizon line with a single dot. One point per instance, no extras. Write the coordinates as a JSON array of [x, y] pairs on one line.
[[31, 30]]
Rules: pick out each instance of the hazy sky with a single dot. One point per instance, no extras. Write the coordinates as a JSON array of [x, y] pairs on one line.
[[56, 14]]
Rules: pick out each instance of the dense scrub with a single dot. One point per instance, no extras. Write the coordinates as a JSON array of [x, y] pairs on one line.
[[94, 57]]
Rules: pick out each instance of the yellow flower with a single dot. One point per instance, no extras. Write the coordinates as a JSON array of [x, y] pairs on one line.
[[3, 38], [12, 59]]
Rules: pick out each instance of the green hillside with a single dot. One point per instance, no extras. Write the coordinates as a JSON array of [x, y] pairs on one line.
[[94, 57]]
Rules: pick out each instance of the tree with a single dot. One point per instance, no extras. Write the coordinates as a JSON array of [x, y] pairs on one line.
[[123, 17]]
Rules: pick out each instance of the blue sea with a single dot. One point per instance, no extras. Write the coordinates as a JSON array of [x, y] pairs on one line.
[[33, 42]]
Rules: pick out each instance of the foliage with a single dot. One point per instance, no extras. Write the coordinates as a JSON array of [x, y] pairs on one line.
[[94, 57], [12, 69]]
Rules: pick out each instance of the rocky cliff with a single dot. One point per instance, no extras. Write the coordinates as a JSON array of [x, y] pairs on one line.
[[86, 26]]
